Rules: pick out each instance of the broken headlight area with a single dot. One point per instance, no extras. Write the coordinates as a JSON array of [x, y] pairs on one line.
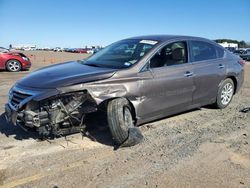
[[59, 115]]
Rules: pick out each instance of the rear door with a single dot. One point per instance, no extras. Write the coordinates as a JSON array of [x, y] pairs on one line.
[[209, 69], [171, 87]]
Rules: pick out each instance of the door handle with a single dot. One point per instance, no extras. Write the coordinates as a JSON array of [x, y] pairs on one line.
[[188, 74], [221, 66]]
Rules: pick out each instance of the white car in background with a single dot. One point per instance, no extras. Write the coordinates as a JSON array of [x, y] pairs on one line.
[[90, 51], [58, 49]]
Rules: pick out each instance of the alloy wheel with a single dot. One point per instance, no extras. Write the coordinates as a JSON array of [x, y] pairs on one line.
[[226, 93], [14, 66]]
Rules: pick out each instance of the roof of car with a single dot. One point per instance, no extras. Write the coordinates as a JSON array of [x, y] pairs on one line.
[[164, 37]]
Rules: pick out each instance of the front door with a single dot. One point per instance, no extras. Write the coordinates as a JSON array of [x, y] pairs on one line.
[[171, 87]]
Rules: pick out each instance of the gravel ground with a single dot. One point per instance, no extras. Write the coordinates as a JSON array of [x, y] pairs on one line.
[[204, 147]]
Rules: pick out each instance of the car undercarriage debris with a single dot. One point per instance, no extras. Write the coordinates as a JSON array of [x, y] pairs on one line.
[[134, 137], [245, 110], [60, 115]]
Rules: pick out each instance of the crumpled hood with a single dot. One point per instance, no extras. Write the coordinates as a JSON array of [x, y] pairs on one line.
[[65, 74]]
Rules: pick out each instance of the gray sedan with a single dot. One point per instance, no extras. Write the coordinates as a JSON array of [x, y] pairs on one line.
[[132, 81]]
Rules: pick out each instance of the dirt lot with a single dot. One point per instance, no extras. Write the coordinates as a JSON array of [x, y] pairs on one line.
[[205, 147]]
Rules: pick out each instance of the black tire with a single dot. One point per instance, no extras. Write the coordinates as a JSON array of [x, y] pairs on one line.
[[224, 84], [13, 65], [119, 119]]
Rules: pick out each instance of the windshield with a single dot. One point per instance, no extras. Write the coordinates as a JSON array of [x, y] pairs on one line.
[[3, 50], [122, 54]]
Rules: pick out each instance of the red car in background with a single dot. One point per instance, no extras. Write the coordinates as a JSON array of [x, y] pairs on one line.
[[80, 50], [13, 61]]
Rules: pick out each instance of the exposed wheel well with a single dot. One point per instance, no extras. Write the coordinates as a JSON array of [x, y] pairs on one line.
[[235, 82], [132, 108]]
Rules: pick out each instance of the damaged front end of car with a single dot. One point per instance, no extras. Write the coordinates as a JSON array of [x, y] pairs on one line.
[[60, 114], [63, 111]]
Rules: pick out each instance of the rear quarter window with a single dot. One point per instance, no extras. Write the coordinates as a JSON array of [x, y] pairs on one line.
[[201, 51], [220, 52]]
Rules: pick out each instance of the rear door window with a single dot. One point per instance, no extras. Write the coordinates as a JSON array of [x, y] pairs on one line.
[[201, 51]]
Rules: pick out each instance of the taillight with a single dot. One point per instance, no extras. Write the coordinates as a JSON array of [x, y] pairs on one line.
[[242, 62]]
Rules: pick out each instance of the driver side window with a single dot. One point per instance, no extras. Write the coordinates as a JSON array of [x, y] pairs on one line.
[[171, 54]]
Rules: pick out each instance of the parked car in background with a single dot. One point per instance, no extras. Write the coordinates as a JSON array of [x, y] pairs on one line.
[[81, 50], [58, 49], [47, 48], [14, 61], [95, 50], [246, 55], [90, 51], [84, 50], [231, 49], [239, 51], [66, 49], [72, 50], [28, 48]]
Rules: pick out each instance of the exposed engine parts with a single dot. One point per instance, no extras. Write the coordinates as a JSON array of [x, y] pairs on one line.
[[59, 115]]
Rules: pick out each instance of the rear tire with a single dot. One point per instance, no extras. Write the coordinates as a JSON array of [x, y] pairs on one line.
[[119, 119], [13, 65], [225, 93]]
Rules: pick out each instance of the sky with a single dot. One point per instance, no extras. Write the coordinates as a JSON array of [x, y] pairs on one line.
[[76, 23]]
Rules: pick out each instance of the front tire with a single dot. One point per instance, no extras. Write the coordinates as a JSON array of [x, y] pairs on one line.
[[13, 65], [225, 93], [119, 119]]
